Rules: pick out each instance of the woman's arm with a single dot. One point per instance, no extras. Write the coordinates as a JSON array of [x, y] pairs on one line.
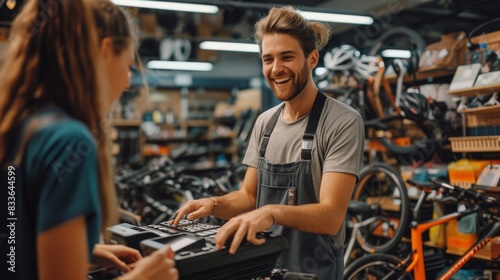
[[62, 251]]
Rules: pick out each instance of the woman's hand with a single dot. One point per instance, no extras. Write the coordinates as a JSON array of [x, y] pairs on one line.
[[160, 265], [115, 256]]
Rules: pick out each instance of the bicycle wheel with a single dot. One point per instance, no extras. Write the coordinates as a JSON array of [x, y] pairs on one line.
[[402, 38], [382, 188], [374, 267]]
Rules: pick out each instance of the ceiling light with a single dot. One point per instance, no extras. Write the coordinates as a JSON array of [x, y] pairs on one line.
[[172, 6], [229, 46], [342, 18], [396, 53], [179, 65]]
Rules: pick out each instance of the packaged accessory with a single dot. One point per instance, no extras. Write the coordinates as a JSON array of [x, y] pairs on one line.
[[448, 53]]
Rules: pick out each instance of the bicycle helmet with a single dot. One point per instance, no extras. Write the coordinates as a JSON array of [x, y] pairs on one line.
[[341, 58], [367, 66], [414, 105]]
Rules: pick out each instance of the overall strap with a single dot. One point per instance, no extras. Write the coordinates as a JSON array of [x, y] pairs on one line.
[[308, 137], [269, 128], [312, 124]]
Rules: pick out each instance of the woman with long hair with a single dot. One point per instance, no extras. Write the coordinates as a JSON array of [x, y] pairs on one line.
[[60, 77]]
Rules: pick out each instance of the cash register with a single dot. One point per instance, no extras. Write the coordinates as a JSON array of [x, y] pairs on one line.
[[195, 253]]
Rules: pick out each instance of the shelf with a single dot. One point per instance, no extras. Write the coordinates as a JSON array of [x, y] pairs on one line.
[[486, 110], [478, 255], [474, 91], [198, 123], [431, 244], [170, 125], [164, 140], [229, 136], [421, 76], [475, 144], [123, 123]]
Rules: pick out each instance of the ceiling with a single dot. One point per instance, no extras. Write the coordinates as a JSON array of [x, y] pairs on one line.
[[430, 19]]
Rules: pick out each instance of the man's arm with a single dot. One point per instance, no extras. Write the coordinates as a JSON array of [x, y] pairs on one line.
[[325, 217], [240, 201], [223, 207]]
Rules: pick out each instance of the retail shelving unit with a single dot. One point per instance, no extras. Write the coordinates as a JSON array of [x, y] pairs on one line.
[[477, 117], [127, 141]]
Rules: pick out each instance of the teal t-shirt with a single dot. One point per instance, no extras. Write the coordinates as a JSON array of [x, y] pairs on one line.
[[57, 181]]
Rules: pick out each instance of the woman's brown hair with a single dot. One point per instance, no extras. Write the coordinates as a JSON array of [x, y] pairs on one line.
[[111, 21], [53, 57]]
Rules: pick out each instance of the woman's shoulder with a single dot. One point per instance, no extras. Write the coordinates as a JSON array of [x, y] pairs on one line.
[[52, 126], [53, 121]]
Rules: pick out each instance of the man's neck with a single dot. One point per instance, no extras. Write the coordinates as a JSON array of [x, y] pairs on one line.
[[301, 105]]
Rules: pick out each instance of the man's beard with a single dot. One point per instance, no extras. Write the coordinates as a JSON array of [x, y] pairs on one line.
[[299, 85]]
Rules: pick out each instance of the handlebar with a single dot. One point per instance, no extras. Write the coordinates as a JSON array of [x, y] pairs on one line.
[[461, 194], [470, 194]]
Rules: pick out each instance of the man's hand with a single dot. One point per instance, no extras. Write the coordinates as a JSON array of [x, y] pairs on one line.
[[115, 256], [244, 226], [196, 208]]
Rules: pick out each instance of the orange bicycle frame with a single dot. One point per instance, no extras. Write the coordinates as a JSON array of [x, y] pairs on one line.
[[471, 252], [417, 264]]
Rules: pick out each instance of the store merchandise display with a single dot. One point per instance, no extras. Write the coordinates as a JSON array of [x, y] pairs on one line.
[[431, 113]]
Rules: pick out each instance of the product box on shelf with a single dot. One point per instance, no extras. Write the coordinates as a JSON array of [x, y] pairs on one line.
[[482, 124], [464, 172]]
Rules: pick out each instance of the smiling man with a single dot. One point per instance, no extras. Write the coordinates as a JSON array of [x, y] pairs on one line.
[[303, 157]]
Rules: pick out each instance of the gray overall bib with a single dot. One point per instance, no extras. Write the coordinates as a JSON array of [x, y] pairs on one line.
[[291, 184]]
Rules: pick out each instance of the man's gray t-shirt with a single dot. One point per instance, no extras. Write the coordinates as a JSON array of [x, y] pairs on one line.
[[338, 144]]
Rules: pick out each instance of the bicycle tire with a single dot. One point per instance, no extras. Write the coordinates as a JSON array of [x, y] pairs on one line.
[[376, 266], [400, 32], [380, 185]]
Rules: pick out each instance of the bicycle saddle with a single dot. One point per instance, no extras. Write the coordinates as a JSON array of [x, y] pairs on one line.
[[359, 207]]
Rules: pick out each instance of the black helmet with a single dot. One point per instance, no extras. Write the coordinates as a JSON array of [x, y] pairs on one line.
[[414, 105]]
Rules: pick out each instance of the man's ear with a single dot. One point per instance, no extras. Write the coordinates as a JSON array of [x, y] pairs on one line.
[[312, 60], [106, 47]]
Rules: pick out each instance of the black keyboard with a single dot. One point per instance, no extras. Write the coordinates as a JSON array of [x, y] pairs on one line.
[[192, 226], [196, 256]]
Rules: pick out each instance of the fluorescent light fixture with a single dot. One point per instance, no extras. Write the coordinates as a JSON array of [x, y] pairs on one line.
[[396, 53], [179, 65], [320, 71], [229, 46], [342, 18], [172, 6]]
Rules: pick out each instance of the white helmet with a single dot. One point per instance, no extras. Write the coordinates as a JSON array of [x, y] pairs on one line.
[[341, 58], [367, 66]]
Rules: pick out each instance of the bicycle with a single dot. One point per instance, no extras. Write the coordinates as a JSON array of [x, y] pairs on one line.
[[378, 211], [151, 194], [384, 266]]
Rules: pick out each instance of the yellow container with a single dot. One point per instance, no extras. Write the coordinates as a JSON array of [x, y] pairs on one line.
[[456, 241], [464, 172]]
